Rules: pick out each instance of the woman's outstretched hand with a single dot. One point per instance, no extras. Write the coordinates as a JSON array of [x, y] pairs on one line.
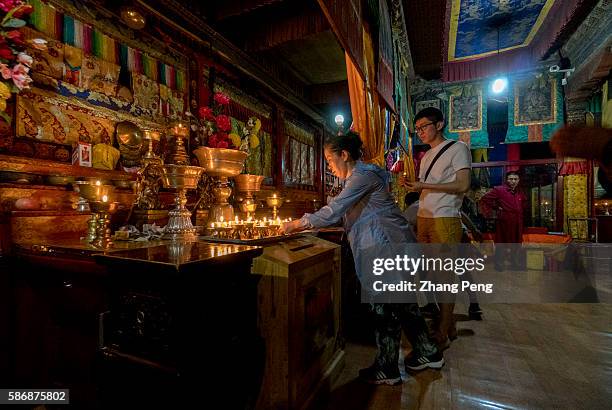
[[290, 227]]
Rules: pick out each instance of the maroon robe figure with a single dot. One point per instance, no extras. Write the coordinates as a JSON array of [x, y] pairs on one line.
[[509, 205]]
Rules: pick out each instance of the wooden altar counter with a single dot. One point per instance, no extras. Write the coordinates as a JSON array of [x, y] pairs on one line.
[[143, 321], [151, 317]]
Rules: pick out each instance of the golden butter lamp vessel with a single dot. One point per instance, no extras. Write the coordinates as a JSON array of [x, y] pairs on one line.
[[221, 163], [98, 196], [181, 178], [249, 184]]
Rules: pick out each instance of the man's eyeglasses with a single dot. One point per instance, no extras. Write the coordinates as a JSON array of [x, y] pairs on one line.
[[422, 127]]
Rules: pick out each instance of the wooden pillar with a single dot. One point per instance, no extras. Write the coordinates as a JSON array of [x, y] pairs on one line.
[[280, 138]]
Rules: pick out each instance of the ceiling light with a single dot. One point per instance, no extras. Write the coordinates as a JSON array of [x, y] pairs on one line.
[[339, 120], [499, 85], [133, 18]]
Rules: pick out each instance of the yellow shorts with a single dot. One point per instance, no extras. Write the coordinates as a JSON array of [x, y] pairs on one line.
[[439, 230]]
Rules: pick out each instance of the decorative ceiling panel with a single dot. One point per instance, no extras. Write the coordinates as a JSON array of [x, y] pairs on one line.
[[475, 25]]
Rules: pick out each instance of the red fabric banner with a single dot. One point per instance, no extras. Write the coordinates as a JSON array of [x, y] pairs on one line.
[[534, 133]]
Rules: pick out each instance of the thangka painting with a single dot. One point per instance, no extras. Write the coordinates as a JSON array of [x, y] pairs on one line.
[[465, 112], [535, 103], [535, 109]]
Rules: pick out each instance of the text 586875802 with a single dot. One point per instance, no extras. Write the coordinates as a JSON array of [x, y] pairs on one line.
[[34, 396]]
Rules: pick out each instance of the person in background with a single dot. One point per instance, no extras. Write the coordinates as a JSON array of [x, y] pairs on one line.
[[371, 218], [470, 232], [508, 202], [444, 177]]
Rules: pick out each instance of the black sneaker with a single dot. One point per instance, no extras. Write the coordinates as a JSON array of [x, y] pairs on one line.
[[433, 361], [374, 375], [430, 310], [474, 311]]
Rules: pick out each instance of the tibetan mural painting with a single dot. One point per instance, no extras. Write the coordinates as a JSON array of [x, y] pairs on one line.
[[534, 103], [465, 113]]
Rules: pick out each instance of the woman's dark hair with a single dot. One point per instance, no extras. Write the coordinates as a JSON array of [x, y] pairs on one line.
[[350, 142], [411, 198]]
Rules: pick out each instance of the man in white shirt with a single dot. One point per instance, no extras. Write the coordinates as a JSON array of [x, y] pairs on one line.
[[442, 187]]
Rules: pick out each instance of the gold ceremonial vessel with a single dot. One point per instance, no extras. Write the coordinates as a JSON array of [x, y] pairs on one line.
[[248, 206], [275, 202], [98, 197], [177, 153], [249, 184], [222, 164], [104, 209], [181, 178], [129, 137]]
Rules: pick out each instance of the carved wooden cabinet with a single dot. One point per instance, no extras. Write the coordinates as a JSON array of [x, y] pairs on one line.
[[299, 319]]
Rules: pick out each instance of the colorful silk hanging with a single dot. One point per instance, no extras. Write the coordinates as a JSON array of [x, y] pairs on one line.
[[47, 19], [181, 83]]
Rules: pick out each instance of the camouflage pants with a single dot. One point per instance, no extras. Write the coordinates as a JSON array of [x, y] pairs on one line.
[[389, 320]]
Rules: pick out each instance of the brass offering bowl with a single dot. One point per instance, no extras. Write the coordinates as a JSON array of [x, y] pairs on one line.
[[59, 179], [103, 209], [248, 183], [100, 206], [248, 206], [181, 178], [220, 162], [275, 202], [92, 191], [89, 192]]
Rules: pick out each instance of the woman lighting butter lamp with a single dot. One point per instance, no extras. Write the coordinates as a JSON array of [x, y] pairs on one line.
[[371, 218]]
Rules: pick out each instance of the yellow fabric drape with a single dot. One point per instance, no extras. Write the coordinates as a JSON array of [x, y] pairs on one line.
[[366, 108], [357, 98], [576, 203]]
